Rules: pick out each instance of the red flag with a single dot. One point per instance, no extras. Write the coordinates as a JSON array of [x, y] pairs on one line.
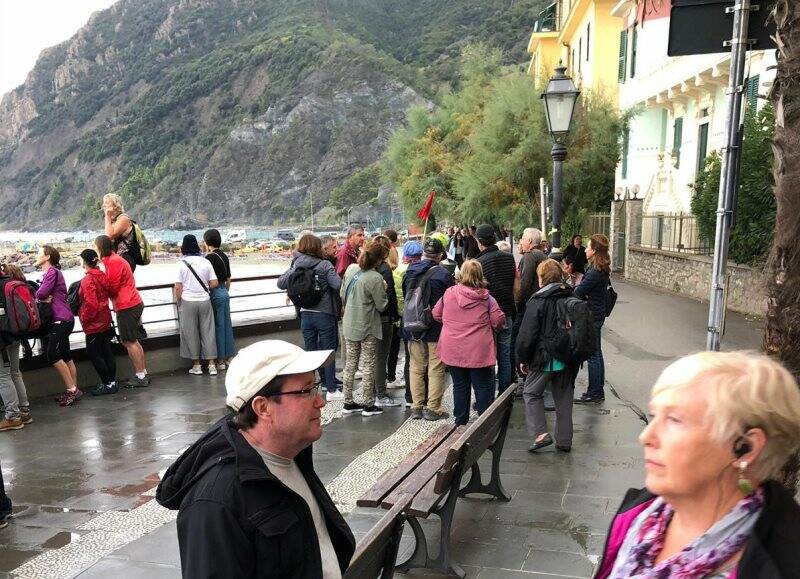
[[425, 212]]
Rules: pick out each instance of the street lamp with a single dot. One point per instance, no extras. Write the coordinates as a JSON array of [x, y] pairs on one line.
[[559, 105]]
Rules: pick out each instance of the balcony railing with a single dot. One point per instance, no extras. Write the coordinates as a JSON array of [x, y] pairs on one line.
[[547, 20]]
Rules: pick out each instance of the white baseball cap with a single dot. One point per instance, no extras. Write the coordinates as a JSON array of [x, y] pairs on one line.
[[257, 364]]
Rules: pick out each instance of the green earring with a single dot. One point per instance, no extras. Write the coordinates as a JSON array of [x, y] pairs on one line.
[[744, 484]]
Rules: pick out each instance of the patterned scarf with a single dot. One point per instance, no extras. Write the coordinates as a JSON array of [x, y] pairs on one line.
[[701, 558]]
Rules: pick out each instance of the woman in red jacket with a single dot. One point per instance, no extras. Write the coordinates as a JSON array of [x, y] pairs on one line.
[[95, 317]]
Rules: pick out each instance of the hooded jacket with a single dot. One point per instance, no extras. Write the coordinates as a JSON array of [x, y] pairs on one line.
[[329, 304], [469, 319], [94, 314], [772, 550], [540, 320], [237, 520], [439, 281]]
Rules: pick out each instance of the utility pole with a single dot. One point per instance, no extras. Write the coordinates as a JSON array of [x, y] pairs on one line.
[[739, 44]]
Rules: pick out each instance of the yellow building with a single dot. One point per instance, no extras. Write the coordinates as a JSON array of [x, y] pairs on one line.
[[585, 37]]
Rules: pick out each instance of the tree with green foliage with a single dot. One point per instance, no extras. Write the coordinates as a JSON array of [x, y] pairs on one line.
[[751, 237], [485, 148], [361, 187]]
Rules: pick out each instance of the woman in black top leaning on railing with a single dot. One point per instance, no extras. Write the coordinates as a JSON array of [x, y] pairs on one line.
[[593, 288], [220, 298]]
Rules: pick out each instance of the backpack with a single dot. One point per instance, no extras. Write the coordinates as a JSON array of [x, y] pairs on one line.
[[141, 247], [74, 297], [304, 287], [21, 313], [417, 314], [572, 339]]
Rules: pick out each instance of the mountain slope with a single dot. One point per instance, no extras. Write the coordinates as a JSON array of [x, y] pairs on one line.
[[228, 111]]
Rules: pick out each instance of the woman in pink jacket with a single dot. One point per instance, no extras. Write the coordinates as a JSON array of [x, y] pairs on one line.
[[469, 317]]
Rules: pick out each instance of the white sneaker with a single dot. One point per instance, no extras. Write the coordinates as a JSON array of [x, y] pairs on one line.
[[386, 402], [335, 395], [212, 370], [196, 370], [396, 384]]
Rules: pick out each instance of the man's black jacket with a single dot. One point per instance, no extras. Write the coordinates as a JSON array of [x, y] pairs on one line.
[[237, 520]]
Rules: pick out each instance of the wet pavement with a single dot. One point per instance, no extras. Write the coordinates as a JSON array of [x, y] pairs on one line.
[[81, 478]]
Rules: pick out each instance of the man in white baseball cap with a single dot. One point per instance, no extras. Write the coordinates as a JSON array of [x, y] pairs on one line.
[[249, 502]]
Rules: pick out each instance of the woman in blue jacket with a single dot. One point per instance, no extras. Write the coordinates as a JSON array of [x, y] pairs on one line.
[[593, 288]]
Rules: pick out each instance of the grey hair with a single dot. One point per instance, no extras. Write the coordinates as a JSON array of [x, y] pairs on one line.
[[534, 234], [353, 228]]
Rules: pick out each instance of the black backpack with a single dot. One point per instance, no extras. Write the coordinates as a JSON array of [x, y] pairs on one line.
[[74, 297], [572, 338], [304, 287]]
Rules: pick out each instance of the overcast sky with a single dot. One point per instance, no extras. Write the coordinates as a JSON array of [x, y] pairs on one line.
[[29, 26]]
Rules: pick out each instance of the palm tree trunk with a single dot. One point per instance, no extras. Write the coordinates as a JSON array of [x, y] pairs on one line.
[[782, 334]]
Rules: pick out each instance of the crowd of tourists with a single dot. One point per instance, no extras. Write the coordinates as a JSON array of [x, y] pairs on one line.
[[46, 311]]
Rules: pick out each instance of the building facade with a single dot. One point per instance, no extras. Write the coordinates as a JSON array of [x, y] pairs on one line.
[[679, 105]]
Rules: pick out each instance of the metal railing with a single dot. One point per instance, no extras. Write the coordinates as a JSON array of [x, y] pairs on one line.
[[246, 292], [678, 232], [596, 223], [547, 20]]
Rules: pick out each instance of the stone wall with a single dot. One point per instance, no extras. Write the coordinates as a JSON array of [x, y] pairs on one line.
[[690, 275]]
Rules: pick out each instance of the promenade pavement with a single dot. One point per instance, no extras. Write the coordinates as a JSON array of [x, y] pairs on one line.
[[82, 478]]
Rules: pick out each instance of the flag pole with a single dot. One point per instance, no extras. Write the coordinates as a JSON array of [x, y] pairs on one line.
[[425, 230]]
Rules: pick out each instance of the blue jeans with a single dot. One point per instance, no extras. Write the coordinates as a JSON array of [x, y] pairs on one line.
[[482, 380], [597, 368], [223, 328], [320, 333], [504, 358]]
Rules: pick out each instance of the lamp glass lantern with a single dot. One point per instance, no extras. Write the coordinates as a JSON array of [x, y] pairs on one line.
[[559, 103]]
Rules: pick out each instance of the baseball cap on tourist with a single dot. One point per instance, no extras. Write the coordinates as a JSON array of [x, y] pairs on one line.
[[486, 232], [433, 247], [412, 249], [258, 364]]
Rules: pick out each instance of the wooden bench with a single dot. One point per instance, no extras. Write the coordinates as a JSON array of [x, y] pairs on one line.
[[429, 480], [376, 553]]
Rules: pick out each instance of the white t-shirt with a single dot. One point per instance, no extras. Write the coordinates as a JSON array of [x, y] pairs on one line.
[[192, 290], [288, 473]]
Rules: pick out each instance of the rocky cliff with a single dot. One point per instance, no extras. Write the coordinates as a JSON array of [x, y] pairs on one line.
[[227, 111]]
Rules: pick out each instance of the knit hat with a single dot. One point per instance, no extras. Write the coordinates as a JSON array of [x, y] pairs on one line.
[[412, 249]]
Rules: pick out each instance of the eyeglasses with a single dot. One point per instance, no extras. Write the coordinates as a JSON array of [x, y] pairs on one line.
[[307, 392]]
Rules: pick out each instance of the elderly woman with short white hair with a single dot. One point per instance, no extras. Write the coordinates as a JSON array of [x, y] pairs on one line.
[[721, 427]]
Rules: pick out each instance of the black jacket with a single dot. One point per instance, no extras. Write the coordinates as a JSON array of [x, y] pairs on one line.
[[772, 550], [500, 270], [237, 520], [391, 312], [593, 288], [440, 280], [471, 249], [578, 255], [539, 321]]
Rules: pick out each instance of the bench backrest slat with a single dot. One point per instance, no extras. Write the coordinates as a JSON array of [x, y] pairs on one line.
[[376, 552], [475, 440]]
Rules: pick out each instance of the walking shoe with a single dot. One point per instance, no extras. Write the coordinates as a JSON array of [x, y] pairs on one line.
[[563, 448], [371, 410], [69, 397], [396, 384], [136, 382], [416, 413], [587, 398], [212, 370], [222, 366], [335, 395], [196, 370], [351, 408], [433, 415], [25, 416], [103, 389], [4, 520], [11, 424], [541, 442], [386, 402]]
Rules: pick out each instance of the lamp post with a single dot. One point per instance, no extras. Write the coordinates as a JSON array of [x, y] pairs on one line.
[[559, 98]]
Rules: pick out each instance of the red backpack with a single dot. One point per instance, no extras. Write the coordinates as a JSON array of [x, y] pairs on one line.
[[21, 314]]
